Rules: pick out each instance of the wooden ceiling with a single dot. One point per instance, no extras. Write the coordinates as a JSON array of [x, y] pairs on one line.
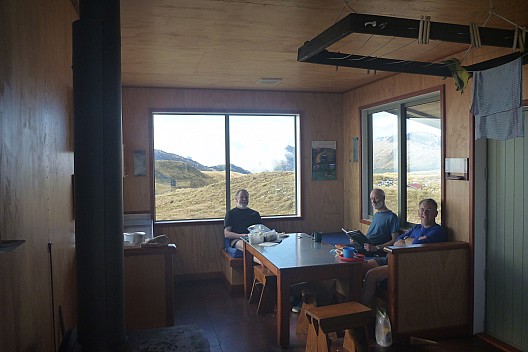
[[231, 44]]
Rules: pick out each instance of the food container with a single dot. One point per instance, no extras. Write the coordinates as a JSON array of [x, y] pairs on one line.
[[270, 236], [133, 238], [255, 238]]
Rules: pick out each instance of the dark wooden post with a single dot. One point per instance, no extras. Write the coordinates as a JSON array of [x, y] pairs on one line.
[[98, 176]]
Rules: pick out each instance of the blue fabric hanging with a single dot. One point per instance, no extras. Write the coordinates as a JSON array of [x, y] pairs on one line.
[[497, 102]]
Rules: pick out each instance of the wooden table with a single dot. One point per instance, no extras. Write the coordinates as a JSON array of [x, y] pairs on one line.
[[298, 259]]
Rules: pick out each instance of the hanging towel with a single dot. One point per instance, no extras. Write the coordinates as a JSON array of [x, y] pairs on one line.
[[497, 102]]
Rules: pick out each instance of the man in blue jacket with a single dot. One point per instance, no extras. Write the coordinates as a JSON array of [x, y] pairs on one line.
[[428, 231]]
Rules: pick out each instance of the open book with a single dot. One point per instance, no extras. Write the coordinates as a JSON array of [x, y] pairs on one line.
[[358, 237]]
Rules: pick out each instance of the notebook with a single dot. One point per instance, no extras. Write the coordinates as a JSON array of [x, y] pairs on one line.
[[358, 238]]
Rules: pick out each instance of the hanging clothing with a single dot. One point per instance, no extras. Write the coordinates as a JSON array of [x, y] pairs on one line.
[[497, 102]]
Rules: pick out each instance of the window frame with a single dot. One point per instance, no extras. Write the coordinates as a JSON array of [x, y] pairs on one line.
[[228, 200], [366, 175]]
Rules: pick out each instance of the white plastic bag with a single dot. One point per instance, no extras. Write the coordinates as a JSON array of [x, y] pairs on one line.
[[383, 328], [258, 228], [262, 232]]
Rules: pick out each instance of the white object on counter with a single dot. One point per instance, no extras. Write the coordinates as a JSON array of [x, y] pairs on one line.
[[133, 238]]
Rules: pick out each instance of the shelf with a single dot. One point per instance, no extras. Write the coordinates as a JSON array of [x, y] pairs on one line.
[[10, 245]]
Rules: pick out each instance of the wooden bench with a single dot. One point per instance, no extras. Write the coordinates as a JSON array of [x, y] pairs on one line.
[[233, 273], [428, 290], [352, 317]]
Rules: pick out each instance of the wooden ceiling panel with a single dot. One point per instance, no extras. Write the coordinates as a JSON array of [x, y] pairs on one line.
[[230, 44]]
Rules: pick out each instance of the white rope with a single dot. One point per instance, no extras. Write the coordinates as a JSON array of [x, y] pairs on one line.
[[474, 35], [427, 29], [420, 30], [424, 29], [519, 39], [515, 38]]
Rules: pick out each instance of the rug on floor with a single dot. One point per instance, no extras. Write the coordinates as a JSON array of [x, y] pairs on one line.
[[182, 338]]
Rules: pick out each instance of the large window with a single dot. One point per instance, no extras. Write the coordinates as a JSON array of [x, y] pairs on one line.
[[201, 160], [402, 154]]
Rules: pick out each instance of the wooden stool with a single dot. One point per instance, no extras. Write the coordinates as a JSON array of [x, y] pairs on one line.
[[309, 300], [315, 294], [266, 283], [352, 317]]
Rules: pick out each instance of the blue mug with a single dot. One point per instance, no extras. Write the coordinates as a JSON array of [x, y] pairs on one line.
[[349, 252]]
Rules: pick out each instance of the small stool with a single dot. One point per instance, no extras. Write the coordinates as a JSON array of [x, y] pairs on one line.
[[315, 294], [309, 300], [352, 317], [265, 282]]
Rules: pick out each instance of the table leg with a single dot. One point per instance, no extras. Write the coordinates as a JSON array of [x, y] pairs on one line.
[[356, 283], [283, 311], [248, 271]]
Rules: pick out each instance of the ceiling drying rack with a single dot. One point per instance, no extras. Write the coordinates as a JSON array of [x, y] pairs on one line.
[[315, 50]]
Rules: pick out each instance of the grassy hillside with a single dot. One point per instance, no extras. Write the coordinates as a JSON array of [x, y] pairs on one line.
[[202, 193], [271, 193]]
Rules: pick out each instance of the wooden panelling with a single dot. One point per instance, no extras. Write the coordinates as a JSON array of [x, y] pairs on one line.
[[36, 164], [198, 244], [507, 248]]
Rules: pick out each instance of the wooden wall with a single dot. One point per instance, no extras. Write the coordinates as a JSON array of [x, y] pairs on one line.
[[320, 120], [36, 164], [457, 205]]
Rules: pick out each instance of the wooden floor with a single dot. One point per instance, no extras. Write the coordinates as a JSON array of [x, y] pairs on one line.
[[232, 325]]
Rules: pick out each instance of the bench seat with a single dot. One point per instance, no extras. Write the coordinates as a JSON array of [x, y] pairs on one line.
[[233, 273], [428, 290]]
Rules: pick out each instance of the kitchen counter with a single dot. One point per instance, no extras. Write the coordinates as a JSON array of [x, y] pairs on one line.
[[148, 287]]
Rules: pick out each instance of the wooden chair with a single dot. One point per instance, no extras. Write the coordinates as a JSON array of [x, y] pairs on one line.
[[264, 289], [352, 317]]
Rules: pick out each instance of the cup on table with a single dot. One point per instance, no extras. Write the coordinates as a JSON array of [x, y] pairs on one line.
[[349, 252], [317, 236]]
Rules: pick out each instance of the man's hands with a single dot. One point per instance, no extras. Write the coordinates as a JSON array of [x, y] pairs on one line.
[[407, 241], [370, 247]]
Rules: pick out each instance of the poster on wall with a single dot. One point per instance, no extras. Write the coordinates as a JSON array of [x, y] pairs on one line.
[[323, 160]]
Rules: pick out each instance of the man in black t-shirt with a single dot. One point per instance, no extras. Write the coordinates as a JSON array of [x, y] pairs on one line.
[[237, 220]]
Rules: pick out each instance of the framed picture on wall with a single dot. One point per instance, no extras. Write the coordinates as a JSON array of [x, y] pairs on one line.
[[323, 160]]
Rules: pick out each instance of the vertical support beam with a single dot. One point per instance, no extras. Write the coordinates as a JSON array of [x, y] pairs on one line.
[[98, 176]]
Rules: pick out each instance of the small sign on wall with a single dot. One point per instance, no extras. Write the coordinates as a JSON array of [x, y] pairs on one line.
[[324, 160], [140, 164]]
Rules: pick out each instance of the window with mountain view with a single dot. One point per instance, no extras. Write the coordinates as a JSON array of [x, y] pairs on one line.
[[402, 154], [201, 160]]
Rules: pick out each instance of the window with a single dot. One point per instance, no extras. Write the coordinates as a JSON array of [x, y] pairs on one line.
[[402, 154], [202, 160]]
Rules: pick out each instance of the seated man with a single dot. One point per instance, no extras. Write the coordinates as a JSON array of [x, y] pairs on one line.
[[428, 231], [238, 219], [385, 225]]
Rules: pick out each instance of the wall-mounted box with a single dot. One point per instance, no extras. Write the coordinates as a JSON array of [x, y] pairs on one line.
[[457, 168]]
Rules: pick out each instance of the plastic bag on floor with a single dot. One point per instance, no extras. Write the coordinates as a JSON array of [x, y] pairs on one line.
[[383, 328]]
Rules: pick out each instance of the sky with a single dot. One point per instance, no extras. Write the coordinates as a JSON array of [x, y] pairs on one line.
[[256, 141], [386, 124]]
